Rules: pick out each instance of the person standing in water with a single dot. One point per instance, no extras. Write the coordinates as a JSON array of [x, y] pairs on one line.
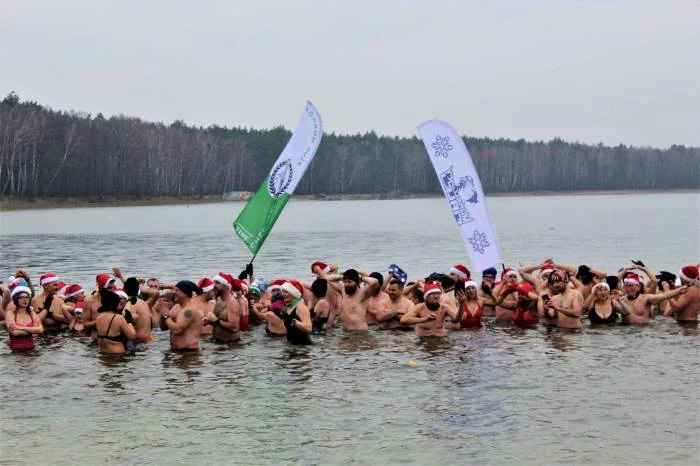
[[429, 317], [185, 324], [353, 307], [21, 320]]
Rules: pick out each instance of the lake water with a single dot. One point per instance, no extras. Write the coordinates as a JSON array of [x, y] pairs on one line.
[[623, 395]]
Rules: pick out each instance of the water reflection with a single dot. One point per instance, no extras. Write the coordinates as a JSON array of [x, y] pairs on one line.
[[356, 342], [561, 340], [435, 346]]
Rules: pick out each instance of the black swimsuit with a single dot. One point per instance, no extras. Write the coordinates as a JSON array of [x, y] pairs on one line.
[[294, 335], [121, 338], [319, 324], [596, 319]]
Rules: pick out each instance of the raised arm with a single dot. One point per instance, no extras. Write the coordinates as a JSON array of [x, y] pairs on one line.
[[526, 273], [568, 268], [657, 298], [372, 287]]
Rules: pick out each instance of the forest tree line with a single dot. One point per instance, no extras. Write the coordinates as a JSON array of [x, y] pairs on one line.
[[54, 154]]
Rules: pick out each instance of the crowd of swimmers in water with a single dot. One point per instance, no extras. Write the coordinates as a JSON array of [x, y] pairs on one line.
[[121, 312]]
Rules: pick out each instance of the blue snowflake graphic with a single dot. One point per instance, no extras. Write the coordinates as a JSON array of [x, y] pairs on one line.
[[442, 146], [479, 242]]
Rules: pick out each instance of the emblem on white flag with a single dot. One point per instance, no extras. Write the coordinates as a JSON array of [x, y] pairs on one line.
[[462, 187]]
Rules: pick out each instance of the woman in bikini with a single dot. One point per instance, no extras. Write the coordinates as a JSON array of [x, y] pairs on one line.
[[22, 322], [113, 330]]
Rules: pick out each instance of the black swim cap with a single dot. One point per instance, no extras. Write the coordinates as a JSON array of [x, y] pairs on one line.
[[379, 277], [352, 274], [187, 287], [319, 288], [131, 286]]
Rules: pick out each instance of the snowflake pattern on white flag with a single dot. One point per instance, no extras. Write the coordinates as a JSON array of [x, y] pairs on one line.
[[479, 242], [442, 146]]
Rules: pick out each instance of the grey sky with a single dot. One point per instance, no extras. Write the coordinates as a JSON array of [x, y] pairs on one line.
[[590, 71]]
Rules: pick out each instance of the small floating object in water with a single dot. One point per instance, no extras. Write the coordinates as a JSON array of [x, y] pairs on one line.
[[412, 363]]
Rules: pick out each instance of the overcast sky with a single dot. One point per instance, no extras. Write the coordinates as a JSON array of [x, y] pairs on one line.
[[591, 71]]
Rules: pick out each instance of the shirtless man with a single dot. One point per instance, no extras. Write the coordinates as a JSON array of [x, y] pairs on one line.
[[685, 307], [140, 311], [205, 302], [485, 292], [429, 317], [353, 307], [93, 303], [184, 324], [226, 316], [567, 303], [378, 301], [397, 306], [641, 302], [48, 305]]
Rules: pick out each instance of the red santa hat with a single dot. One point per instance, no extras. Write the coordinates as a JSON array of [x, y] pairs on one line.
[[292, 287], [322, 265], [236, 284], [546, 270], [104, 280], [78, 309], [461, 271], [224, 279], [276, 284], [508, 272], [632, 279], [62, 288], [430, 288], [74, 290], [121, 293], [689, 273], [47, 278], [206, 284], [470, 284]]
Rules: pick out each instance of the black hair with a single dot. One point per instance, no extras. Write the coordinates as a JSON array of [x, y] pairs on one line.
[[379, 277], [319, 287], [109, 301], [352, 274], [131, 288], [417, 294], [397, 282]]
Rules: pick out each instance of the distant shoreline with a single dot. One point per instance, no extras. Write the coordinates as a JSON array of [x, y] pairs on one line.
[[13, 204]]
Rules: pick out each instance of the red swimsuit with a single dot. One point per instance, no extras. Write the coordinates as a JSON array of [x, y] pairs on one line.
[[525, 317], [470, 320], [22, 342]]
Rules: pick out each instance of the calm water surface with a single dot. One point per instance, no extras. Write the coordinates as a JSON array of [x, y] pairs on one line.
[[498, 395]]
